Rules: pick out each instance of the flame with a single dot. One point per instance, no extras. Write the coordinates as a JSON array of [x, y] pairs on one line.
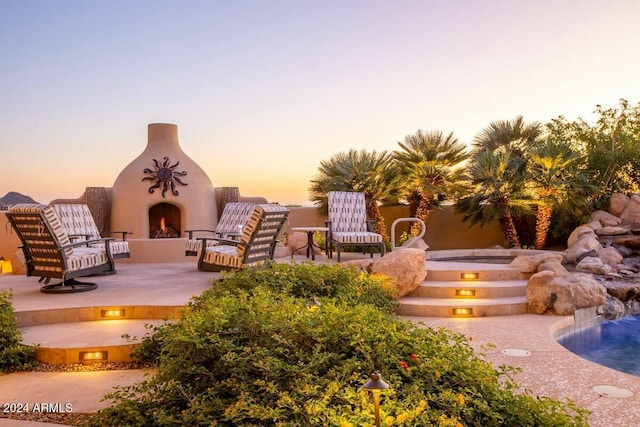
[[163, 225]]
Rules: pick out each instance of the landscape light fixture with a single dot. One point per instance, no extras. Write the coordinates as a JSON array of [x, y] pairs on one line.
[[463, 311], [313, 303], [469, 276], [93, 356], [465, 292], [113, 313], [376, 385]]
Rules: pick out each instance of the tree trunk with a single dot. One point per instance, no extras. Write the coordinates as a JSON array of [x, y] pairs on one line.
[[424, 210], [543, 222], [509, 230], [373, 213]]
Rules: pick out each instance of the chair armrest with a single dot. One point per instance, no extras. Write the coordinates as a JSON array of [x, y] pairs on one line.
[[193, 231], [124, 233], [87, 242], [230, 242]]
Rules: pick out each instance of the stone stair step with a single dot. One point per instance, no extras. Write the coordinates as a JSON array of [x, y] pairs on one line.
[[482, 273], [445, 307], [65, 343], [479, 288]]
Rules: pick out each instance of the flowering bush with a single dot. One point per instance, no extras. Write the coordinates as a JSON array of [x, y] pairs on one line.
[[252, 352]]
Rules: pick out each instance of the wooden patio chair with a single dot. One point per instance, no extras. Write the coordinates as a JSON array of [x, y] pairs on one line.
[[233, 219], [49, 253], [257, 242], [348, 225], [79, 224]]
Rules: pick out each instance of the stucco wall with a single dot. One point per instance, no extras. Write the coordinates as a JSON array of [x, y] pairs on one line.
[[445, 228]]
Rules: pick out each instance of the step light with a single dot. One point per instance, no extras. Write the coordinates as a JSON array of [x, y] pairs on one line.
[[466, 293], [113, 313], [94, 356], [469, 276], [463, 311]]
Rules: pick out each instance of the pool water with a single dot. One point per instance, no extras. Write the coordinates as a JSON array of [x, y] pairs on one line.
[[615, 344]]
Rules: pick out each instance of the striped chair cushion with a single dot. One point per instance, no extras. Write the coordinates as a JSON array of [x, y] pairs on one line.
[[51, 218], [347, 211], [356, 237], [233, 216], [223, 255], [78, 220]]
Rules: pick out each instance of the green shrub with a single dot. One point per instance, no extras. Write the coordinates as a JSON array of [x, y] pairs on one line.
[[13, 355], [255, 354]]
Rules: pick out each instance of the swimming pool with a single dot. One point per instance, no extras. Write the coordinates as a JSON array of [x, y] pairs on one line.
[[615, 344]]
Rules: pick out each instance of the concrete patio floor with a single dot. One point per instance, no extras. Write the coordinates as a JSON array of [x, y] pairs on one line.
[[549, 370]]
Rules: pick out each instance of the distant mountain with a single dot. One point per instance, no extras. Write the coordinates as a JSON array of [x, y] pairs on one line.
[[13, 198]]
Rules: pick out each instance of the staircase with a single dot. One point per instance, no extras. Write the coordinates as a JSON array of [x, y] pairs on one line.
[[464, 289]]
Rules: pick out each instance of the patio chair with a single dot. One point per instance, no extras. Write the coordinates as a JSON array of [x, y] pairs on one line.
[[348, 225], [49, 253], [257, 242], [79, 224], [233, 219]]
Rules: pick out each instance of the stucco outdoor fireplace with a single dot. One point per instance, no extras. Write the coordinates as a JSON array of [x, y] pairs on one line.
[[163, 192]]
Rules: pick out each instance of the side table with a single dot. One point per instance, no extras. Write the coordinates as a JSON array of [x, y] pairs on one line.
[[310, 243]]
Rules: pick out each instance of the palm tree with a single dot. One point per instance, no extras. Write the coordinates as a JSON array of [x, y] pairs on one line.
[[496, 192], [369, 172], [517, 137], [555, 174], [431, 166]]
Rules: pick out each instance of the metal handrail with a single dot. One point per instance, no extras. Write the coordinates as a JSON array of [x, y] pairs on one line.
[[423, 229]]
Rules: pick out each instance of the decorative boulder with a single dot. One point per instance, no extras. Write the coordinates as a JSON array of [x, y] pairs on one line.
[[554, 266], [611, 231], [578, 233], [550, 293], [281, 251], [298, 242], [593, 265], [605, 218], [594, 225], [610, 256], [617, 203], [582, 246], [406, 267], [631, 212], [530, 263], [630, 241]]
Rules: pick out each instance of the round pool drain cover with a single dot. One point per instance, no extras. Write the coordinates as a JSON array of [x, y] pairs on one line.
[[516, 352], [612, 391]]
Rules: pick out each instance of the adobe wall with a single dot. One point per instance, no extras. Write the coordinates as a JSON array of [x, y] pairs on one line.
[[445, 228]]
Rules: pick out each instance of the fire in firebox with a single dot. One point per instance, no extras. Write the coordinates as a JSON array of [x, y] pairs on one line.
[[164, 231]]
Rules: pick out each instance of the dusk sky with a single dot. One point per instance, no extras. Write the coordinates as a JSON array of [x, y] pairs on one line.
[[262, 91]]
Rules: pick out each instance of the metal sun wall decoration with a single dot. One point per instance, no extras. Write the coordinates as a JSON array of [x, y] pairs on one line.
[[164, 176]]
